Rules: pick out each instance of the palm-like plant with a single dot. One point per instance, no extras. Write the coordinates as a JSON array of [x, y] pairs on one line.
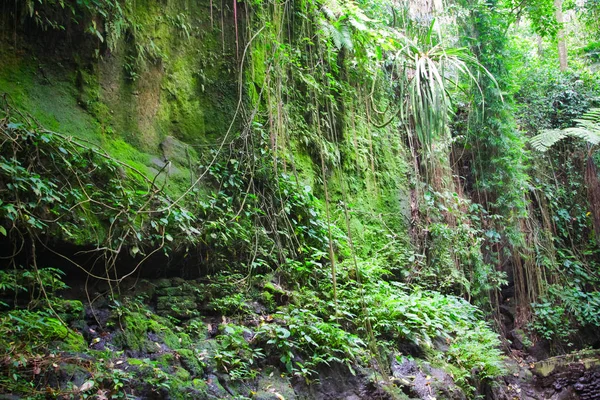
[[432, 68]]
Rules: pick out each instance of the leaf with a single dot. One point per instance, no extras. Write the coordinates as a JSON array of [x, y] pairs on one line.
[[2, 230], [99, 35], [87, 385], [588, 129], [283, 333], [547, 139]]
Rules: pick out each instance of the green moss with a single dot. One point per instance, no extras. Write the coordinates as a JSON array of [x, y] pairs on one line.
[[73, 342], [189, 360], [48, 94], [137, 325], [135, 361], [186, 88], [165, 361], [69, 310], [181, 374], [200, 384]]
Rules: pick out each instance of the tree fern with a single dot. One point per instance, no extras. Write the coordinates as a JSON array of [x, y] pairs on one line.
[[588, 129]]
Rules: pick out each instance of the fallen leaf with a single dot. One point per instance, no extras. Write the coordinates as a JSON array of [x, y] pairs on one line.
[[87, 385]]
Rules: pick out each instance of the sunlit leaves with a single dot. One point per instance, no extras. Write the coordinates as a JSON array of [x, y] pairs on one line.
[[588, 129]]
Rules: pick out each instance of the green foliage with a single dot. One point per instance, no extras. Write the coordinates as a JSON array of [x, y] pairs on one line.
[[52, 186], [487, 131], [112, 25], [589, 13], [475, 349], [57, 189], [234, 353], [318, 92], [137, 322], [231, 304], [303, 340], [587, 128], [397, 314], [28, 333], [435, 68], [592, 51], [565, 310], [256, 218], [549, 99], [34, 329], [455, 251], [542, 17]]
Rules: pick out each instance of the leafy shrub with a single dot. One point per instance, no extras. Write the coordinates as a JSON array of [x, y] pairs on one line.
[[550, 99], [234, 353], [565, 310], [476, 348], [234, 304], [398, 314], [302, 340], [592, 50]]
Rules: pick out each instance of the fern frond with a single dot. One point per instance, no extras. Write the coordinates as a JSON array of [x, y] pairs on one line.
[[590, 134], [346, 37], [592, 115], [588, 129], [547, 139]]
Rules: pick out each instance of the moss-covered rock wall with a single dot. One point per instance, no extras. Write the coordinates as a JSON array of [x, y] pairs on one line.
[[169, 70]]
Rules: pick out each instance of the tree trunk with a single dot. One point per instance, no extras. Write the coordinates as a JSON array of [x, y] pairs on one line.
[[593, 189], [562, 45]]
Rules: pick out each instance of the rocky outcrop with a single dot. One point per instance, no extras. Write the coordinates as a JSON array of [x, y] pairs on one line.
[[574, 376], [422, 381], [571, 376]]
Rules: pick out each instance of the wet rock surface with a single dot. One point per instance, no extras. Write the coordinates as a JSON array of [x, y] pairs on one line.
[[569, 377], [423, 381], [337, 382]]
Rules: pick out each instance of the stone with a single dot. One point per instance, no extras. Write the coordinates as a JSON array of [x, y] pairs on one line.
[[425, 381], [271, 383], [175, 150], [587, 359]]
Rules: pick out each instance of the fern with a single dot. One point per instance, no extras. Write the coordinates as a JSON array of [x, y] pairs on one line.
[[588, 129], [341, 37]]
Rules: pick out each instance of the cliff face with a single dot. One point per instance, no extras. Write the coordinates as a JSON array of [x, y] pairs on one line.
[[157, 83], [269, 200], [126, 82]]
